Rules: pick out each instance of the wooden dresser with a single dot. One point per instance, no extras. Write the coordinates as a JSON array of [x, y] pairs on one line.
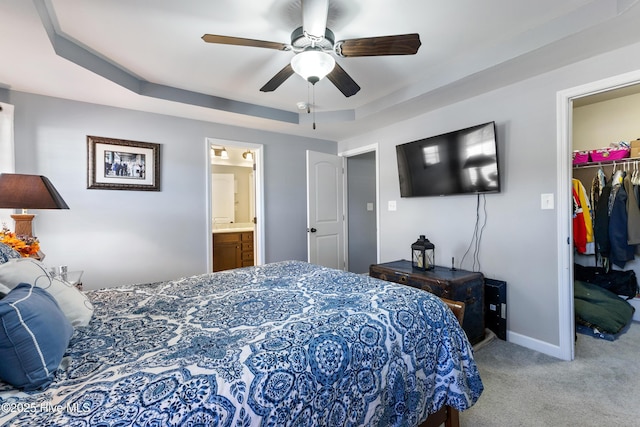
[[232, 250], [456, 285]]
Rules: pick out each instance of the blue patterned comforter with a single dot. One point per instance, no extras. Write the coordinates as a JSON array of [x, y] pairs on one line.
[[284, 344]]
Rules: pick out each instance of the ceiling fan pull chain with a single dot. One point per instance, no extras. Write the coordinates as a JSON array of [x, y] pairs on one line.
[[314, 106]]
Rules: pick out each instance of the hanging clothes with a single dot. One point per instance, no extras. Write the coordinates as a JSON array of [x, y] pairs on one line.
[[635, 182], [585, 205], [616, 183], [579, 229], [615, 212], [620, 250], [598, 183], [633, 212], [601, 224]]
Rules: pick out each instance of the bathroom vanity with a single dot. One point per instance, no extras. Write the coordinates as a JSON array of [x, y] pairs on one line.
[[232, 247]]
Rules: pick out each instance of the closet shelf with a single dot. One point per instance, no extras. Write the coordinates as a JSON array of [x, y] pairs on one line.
[[607, 163]]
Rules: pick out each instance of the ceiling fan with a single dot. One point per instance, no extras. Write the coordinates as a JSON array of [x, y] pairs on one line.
[[312, 44]]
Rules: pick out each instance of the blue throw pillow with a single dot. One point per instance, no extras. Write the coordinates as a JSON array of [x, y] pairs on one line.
[[34, 335], [7, 253]]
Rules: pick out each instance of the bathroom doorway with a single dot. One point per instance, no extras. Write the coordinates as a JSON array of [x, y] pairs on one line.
[[362, 235], [234, 204]]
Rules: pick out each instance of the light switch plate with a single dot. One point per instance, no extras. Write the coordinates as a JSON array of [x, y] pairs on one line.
[[370, 206], [546, 201]]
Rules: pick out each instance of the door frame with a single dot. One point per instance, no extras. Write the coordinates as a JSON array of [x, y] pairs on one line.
[[355, 152], [564, 107], [259, 196]]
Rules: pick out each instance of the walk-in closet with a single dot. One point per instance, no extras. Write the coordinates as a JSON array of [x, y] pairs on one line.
[[606, 206]]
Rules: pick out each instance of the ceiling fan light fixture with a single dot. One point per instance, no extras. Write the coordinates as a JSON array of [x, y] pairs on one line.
[[313, 64]]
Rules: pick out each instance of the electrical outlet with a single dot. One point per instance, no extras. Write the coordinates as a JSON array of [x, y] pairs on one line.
[[392, 205]]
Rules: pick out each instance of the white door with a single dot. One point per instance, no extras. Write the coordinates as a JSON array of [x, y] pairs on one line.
[[223, 197], [325, 210]]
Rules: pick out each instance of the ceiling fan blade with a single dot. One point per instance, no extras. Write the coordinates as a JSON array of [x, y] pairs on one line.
[[278, 79], [314, 18], [343, 81], [404, 44], [239, 41]]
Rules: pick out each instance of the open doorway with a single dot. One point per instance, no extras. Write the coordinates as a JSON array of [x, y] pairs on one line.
[[362, 208], [234, 204], [565, 102]]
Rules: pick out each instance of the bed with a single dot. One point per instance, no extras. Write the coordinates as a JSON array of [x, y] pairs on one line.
[[288, 343]]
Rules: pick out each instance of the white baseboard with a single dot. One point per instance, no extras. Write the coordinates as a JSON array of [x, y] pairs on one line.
[[635, 302], [534, 344], [554, 350]]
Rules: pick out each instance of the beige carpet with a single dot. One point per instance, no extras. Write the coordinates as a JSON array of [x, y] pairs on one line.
[[601, 387]]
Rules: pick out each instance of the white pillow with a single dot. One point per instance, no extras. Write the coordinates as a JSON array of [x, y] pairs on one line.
[[74, 304], [4, 289]]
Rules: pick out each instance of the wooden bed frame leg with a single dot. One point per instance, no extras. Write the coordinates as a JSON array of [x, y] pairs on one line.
[[447, 415], [453, 417]]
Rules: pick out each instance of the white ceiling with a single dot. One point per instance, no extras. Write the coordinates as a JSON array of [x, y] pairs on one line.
[[138, 53]]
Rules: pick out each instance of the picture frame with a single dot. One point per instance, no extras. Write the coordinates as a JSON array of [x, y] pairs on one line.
[[119, 164]]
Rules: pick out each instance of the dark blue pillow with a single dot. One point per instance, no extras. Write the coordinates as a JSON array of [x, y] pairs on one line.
[[34, 335], [7, 253]]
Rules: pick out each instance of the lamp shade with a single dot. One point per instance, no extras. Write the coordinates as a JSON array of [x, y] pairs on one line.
[[313, 64], [29, 192]]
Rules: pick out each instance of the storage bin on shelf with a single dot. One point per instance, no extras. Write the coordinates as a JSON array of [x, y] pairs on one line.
[[609, 154], [580, 157]]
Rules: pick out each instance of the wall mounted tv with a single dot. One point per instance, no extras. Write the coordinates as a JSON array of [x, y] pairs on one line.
[[460, 162]]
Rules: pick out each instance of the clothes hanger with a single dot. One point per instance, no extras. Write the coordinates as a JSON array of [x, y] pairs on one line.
[[617, 175], [635, 179]]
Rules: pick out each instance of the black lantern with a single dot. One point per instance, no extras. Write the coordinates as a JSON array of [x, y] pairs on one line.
[[422, 254]]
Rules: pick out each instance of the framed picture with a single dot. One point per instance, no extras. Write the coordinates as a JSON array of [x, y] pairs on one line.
[[118, 164]]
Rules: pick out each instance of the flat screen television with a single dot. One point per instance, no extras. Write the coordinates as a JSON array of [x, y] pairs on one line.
[[460, 162]]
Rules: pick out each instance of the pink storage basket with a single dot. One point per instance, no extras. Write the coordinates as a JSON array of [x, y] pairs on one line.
[[609, 154], [580, 157]]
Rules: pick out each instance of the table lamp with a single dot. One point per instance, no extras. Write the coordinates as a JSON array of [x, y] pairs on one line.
[[24, 192]]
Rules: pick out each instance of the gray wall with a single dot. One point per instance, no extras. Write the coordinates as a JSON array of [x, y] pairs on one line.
[[123, 237], [519, 243], [361, 175]]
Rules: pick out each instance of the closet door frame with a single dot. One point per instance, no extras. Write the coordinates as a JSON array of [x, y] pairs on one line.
[[564, 108]]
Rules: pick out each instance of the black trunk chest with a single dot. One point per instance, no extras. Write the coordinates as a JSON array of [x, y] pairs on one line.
[[457, 285]]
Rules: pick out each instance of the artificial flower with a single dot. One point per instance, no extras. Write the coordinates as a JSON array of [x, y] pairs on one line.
[[27, 246]]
